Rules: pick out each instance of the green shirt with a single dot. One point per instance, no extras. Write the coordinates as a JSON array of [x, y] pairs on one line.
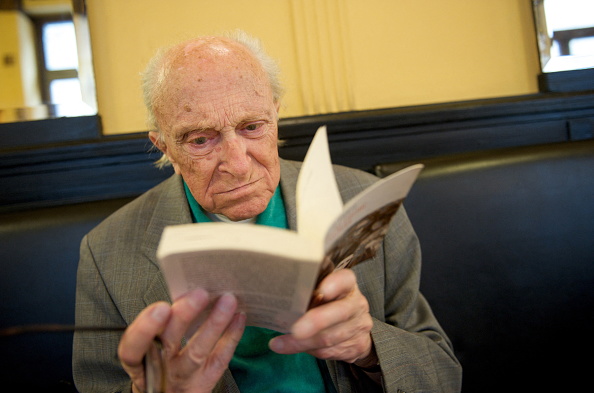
[[254, 366]]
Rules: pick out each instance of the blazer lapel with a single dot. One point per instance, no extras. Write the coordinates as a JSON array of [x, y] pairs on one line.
[[170, 209], [157, 290], [289, 174]]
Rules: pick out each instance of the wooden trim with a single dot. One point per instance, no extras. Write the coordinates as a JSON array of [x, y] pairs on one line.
[[363, 139], [39, 133], [10, 5], [108, 168], [563, 37], [46, 174], [567, 81]]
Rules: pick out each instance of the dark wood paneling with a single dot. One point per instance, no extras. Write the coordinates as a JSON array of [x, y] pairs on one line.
[[566, 81], [9, 5], [116, 167], [49, 131], [363, 139], [122, 166]]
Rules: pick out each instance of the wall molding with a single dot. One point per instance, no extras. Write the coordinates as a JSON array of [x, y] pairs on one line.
[[320, 33]]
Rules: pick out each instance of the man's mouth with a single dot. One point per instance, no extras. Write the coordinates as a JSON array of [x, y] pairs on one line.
[[240, 189]]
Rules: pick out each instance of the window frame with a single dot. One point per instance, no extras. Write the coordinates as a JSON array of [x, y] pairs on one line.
[[46, 77]]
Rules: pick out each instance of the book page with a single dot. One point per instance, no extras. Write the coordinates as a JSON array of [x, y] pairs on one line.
[[271, 271], [222, 235], [318, 199], [359, 231]]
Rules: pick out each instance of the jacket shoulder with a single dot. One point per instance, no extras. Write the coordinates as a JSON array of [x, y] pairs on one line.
[[352, 181], [139, 212]]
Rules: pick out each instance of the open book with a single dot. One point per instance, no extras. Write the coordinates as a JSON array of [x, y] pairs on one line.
[[274, 272]]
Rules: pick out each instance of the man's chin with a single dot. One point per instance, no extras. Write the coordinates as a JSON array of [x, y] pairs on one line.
[[244, 211]]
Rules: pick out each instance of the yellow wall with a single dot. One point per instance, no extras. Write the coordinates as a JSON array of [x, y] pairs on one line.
[[11, 93], [19, 86], [28, 62], [15, 33], [336, 55]]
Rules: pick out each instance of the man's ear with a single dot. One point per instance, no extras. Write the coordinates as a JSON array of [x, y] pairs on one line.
[[156, 139]]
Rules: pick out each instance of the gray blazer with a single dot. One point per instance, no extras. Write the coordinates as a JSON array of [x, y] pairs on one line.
[[118, 276]]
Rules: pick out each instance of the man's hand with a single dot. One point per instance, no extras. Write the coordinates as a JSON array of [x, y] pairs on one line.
[[338, 329], [201, 363]]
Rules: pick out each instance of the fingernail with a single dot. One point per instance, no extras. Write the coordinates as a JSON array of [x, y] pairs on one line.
[[160, 313], [302, 328], [197, 299], [226, 302], [239, 321], [276, 344]]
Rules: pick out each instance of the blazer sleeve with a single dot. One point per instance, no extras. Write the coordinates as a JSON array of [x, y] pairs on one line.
[[414, 352], [95, 364]]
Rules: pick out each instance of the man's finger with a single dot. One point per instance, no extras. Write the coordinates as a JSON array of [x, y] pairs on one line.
[[334, 335], [203, 342], [138, 338], [225, 348], [336, 285], [348, 306], [183, 312]]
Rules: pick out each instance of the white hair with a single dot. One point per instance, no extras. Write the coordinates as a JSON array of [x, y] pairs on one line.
[[158, 68]]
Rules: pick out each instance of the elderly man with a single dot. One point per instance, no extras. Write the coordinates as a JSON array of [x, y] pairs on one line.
[[215, 103]]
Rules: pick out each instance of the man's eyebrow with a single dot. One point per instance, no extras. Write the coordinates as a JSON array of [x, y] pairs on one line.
[[184, 132], [262, 116]]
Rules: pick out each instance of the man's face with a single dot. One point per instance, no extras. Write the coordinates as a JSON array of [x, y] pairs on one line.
[[219, 126]]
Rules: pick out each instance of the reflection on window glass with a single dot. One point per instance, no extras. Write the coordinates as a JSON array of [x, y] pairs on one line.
[[570, 15], [66, 95], [62, 86], [64, 91], [59, 45], [565, 31], [581, 46]]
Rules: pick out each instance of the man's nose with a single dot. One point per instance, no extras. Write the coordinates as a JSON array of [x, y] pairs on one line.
[[234, 158]]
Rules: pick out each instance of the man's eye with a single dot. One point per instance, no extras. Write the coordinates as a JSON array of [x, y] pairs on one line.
[[200, 140], [252, 127]]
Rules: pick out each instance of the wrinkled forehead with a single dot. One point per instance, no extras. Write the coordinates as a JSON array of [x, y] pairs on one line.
[[206, 80]]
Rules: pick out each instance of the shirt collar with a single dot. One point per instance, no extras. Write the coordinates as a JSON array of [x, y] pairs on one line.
[[274, 215]]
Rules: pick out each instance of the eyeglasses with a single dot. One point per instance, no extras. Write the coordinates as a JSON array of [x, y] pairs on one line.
[[21, 366]]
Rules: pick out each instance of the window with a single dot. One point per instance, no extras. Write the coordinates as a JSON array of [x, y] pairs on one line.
[[566, 34], [59, 67]]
